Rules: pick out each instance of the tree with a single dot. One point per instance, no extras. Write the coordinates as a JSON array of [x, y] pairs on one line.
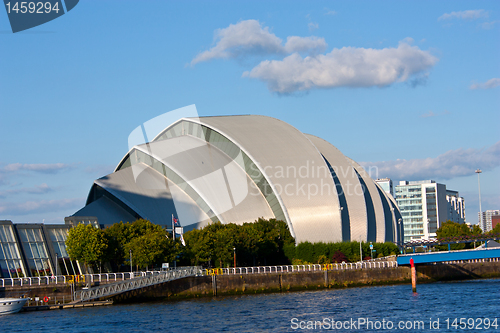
[[476, 230], [152, 248], [495, 232], [261, 242], [451, 230], [86, 243], [117, 236], [339, 257]]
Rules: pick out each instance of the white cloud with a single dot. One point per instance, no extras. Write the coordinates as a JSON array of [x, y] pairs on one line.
[[492, 83], [313, 45], [43, 168], [464, 15], [250, 38], [428, 114], [241, 38], [330, 12], [36, 207], [489, 25], [345, 67], [313, 26], [39, 189], [453, 163]]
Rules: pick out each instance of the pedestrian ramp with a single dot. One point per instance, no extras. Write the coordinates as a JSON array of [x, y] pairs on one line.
[[113, 289]]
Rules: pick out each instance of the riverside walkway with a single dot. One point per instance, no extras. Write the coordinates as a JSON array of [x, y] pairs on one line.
[[108, 278]]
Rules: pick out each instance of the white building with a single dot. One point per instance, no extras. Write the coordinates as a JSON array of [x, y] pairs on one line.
[[386, 185], [425, 205], [456, 206], [486, 224], [236, 169]]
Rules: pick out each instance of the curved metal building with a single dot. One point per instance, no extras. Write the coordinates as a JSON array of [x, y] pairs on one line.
[[235, 169]]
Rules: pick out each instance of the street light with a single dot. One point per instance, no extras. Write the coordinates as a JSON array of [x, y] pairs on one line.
[[234, 249], [478, 171], [360, 252], [130, 263], [401, 236]]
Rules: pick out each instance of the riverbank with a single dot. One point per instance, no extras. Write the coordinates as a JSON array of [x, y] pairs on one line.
[[239, 284]]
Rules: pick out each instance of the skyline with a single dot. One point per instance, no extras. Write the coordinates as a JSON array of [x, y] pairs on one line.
[[404, 87]]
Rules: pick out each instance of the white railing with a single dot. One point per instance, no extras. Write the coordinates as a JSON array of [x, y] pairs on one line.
[[299, 268], [64, 279], [85, 278], [145, 279]]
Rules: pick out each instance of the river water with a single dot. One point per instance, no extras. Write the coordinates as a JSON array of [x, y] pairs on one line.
[[366, 309]]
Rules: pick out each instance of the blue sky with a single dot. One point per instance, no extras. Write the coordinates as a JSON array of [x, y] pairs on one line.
[[410, 87]]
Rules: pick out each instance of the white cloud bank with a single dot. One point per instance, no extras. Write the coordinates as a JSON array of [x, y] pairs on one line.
[[453, 163], [250, 38], [464, 15], [492, 83], [345, 67], [38, 189], [305, 67], [43, 168]]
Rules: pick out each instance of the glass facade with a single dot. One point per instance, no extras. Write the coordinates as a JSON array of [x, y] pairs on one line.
[[30, 250], [10, 258], [58, 238], [425, 205], [35, 251], [409, 199], [430, 198]]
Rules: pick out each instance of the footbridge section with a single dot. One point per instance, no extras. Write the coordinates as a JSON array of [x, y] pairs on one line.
[[113, 289], [449, 256]]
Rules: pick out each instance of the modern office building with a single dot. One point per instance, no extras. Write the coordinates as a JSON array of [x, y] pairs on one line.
[[425, 205], [235, 169], [386, 185], [456, 206], [32, 249], [486, 223]]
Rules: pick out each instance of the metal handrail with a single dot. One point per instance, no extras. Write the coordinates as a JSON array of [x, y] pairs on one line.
[[299, 268], [144, 280]]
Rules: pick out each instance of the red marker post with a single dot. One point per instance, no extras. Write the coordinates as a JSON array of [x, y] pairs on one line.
[[413, 276]]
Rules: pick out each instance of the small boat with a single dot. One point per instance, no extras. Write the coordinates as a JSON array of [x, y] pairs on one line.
[[11, 305]]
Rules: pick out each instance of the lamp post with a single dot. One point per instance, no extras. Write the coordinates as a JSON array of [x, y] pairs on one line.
[[234, 249], [478, 171], [130, 263], [401, 235], [360, 252], [56, 263]]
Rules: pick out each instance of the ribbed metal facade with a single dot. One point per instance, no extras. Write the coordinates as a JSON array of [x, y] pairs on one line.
[[236, 169]]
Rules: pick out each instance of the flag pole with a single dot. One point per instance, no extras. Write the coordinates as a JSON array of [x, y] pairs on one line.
[[173, 227]]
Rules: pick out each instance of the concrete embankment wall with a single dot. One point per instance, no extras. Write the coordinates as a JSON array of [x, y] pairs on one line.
[[278, 282], [283, 282]]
